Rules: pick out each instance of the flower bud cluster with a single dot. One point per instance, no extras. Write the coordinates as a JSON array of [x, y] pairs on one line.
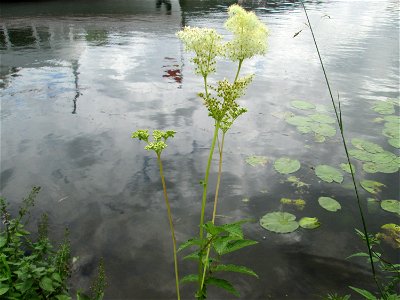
[[159, 138]]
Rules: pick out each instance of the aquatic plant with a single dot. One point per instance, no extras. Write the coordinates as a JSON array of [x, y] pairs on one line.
[[35, 269], [386, 291], [158, 145]]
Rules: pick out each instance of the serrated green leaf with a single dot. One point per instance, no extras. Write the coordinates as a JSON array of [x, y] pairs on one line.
[[3, 241], [63, 297], [4, 289], [236, 245], [46, 284], [234, 268], [224, 284], [189, 243], [364, 293], [189, 278]]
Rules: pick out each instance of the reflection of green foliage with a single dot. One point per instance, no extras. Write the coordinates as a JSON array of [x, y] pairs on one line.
[[309, 223], [302, 104], [255, 160], [390, 234], [296, 181], [328, 173], [285, 165], [371, 186], [383, 108], [298, 203], [329, 203], [391, 206], [279, 222]]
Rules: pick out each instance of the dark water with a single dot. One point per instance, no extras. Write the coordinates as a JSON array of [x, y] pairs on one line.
[[78, 77]]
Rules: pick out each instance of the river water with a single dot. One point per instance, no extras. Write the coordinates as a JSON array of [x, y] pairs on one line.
[[78, 77]]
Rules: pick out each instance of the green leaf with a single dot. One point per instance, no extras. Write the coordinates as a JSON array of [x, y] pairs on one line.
[[358, 254], [188, 243], [286, 165], [63, 297], [46, 284], [234, 268], [367, 146], [192, 256], [371, 186], [299, 121], [329, 203], [236, 245], [3, 240], [280, 222], [4, 289], [383, 108], [80, 296], [255, 160], [189, 278], [364, 293], [395, 142], [234, 230], [56, 277], [346, 167], [222, 283], [302, 104], [391, 206], [328, 173], [360, 154], [323, 129], [309, 223], [322, 118]]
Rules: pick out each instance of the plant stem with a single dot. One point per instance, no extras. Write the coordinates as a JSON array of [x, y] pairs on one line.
[[238, 70], [171, 225], [339, 120]]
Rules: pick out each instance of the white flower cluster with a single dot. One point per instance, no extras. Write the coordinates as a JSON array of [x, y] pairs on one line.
[[250, 34], [206, 44]]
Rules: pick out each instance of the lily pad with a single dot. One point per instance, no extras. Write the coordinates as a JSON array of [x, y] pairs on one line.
[[323, 129], [329, 203], [322, 118], [319, 138], [371, 186], [328, 174], [297, 182], [285, 165], [302, 104], [309, 223], [391, 206], [390, 131], [395, 142], [383, 108], [255, 160], [346, 167], [367, 146], [298, 120], [280, 222], [360, 154], [304, 129], [388, 168], [392, 119]]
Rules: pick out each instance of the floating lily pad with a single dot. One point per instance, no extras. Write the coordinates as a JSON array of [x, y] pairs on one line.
[[304, 129], [309, 223], [372, 167], [328, 174], [322, 118], [346, 167], [390, 132], [395, 142], [285, 165], [394, 101], [360, 154], [298, 203], [319, 138], [371, 186], [392, 119], [329, 203], [323, 129], [391, 206], [367, 146], [383, 108], [383, 157], [298, 120], [280, 222], [255, 160], [302, 104]]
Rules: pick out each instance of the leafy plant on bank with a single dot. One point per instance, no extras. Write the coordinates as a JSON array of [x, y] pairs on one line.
[[387, 289], [34, 269], [220, 99]]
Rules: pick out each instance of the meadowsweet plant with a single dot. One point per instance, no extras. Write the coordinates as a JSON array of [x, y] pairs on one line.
[[158, 145], [249, 38]]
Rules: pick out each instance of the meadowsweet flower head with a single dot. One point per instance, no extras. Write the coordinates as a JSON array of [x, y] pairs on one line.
[[206, 44], [160, 137], [250, 34], [223, 107]]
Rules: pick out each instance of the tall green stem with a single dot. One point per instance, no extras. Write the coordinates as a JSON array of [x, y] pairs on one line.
[[339, 120], [171, 225]]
